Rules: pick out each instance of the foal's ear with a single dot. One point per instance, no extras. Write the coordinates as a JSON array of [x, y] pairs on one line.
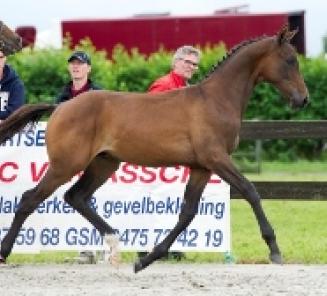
[[284, 35]]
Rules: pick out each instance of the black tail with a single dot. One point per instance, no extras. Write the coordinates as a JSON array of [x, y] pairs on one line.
[[21, 117]]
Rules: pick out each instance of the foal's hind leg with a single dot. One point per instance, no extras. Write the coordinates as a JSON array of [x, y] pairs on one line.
[[78, 196], [193, 191], [225, 169], [29, 202]]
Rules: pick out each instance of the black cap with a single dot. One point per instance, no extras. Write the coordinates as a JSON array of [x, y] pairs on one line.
[[81, 56]]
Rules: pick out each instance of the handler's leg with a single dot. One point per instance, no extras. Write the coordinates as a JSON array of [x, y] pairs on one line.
[[194, 188]]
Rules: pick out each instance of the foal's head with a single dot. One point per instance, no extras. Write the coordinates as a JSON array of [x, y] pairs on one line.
[[280, 67]]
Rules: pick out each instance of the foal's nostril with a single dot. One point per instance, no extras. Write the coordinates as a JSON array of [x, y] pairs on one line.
[[305, 101]]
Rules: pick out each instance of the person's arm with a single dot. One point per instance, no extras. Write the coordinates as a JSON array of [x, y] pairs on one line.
[[16, 99], [63, 96]]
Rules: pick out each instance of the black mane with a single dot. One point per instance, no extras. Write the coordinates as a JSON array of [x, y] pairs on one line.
[[232, 52]]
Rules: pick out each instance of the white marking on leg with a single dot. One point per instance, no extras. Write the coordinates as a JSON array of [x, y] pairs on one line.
[[112, 249]]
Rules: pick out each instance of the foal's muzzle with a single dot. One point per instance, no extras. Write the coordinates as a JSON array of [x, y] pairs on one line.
[[298, 100]]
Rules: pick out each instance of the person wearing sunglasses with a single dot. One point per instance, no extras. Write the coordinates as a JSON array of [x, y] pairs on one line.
[[79, 67], [184, 64], [12, 90]]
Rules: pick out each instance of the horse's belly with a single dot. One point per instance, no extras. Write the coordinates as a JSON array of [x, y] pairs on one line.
[[154, 154]]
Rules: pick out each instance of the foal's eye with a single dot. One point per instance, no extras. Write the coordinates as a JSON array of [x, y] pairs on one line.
[[291, 61]]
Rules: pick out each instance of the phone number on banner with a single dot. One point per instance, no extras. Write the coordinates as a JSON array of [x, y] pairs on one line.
[[130, 239]]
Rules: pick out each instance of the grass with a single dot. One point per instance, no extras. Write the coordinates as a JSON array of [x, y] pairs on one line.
[[294, 171], [300, 226]]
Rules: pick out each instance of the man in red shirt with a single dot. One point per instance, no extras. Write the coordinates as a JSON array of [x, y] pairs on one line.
[[184, 64]]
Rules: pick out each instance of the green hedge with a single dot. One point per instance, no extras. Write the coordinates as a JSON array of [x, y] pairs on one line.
[[44, 72]]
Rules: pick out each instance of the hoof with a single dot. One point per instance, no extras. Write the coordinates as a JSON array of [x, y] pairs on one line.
[[2, 260], [138, 266], [276, 258]]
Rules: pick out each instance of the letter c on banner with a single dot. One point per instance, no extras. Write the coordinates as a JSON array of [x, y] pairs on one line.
[[164, 177], [5, 176]]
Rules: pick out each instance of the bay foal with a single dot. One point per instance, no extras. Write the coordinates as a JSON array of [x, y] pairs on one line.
[[197, 126]]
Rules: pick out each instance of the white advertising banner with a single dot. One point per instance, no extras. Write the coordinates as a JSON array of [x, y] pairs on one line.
[[141, 203]]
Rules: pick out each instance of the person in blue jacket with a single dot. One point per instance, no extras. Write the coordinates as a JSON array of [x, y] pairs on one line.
[[12, 90]]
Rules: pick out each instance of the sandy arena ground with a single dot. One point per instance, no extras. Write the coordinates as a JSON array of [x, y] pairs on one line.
[[163, 279]]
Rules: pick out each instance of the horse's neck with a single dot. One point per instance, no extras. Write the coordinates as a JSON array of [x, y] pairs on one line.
[[235, 80]]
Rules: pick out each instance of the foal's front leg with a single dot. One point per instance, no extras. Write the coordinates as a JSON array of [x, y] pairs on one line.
[[193, 191], [225, 169]]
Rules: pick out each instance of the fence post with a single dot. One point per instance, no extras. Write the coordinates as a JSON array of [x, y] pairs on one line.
[[258, 151]]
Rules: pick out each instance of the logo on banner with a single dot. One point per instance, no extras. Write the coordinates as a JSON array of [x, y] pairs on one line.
[[4, 95]]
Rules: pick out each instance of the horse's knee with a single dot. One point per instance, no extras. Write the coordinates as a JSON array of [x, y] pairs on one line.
[[186, 217], [27, 204], [72, 199], [69, 198], [187, 212]]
